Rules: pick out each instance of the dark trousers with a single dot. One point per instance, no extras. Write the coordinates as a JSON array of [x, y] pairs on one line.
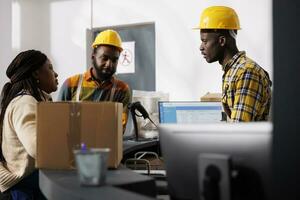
[[26, 189]]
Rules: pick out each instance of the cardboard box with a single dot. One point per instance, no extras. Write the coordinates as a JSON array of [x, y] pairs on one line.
[[63, 126], [211, 97]]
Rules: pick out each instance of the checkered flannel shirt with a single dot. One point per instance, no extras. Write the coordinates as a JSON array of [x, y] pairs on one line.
[[246, 89]]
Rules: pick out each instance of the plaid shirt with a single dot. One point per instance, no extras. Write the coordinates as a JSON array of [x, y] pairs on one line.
[[91, 90], [246, 90]]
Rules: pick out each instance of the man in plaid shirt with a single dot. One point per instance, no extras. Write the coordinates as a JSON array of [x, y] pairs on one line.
[[246, 87], [98, 82]]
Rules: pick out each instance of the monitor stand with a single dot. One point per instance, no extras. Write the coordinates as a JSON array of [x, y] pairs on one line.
[[214, 176]]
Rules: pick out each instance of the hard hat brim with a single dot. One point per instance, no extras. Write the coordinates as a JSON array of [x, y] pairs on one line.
[[94, 46], [199, 28]]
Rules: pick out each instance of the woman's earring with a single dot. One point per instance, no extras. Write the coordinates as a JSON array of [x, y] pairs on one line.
[[37, 81]]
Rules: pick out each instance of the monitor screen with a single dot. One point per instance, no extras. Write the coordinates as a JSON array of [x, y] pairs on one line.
[[189, 112], [248, 145]]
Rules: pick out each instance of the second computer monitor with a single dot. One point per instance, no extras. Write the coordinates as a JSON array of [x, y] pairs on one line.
[[189, 112]]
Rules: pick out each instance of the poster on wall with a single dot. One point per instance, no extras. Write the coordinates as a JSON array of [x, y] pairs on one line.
[[126, 60]]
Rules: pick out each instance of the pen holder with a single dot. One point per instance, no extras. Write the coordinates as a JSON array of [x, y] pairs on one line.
[[92, 166]]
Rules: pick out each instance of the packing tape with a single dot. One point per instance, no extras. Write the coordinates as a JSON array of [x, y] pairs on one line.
[[74, 131]]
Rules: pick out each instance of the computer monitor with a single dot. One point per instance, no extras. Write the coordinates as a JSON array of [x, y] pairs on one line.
[[189, 112], [248, 145]]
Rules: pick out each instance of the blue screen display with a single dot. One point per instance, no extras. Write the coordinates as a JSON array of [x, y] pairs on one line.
[[189, 112]]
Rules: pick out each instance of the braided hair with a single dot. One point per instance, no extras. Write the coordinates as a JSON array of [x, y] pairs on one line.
[[20, 73]]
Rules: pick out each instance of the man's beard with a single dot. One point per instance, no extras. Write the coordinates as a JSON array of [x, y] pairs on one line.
[[103, 74]]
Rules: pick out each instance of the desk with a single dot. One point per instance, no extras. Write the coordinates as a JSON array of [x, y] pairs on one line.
[[130, 146], [121, 184]]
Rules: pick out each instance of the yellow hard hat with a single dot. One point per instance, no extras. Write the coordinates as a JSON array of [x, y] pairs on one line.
[[108, 37], [219, 17]]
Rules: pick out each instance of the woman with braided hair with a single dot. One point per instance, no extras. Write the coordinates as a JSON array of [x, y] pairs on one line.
[[32, 79]]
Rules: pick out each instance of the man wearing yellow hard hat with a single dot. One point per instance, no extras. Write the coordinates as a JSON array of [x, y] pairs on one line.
[[98, 82], [246, 87]]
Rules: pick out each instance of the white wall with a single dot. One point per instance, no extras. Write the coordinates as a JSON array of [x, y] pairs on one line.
[[57, 27], [181, 70], [5, 41]]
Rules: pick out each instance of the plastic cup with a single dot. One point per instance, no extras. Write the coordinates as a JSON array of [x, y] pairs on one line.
[[92, 166]]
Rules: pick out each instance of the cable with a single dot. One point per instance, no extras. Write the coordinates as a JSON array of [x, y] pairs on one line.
[[152, 122]]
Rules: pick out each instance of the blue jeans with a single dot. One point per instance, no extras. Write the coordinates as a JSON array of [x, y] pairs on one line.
[[27, 188]]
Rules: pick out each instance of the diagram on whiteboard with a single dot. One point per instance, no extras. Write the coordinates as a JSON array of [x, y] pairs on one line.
[[126, 62]]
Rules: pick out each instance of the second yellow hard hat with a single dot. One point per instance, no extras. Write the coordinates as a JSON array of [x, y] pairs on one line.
[[108, 37], [219, 17]]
